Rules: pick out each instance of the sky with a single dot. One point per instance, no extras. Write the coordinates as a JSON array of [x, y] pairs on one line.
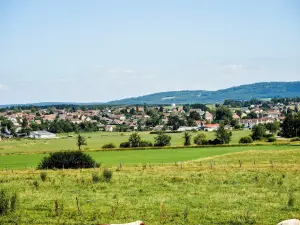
[[96, 50]]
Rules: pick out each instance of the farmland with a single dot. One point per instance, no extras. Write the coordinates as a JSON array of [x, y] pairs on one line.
[[253, 192]]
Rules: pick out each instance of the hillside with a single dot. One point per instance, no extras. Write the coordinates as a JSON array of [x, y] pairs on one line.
[[242, 92]]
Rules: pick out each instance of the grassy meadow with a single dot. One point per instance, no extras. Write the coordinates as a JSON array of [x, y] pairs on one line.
[[262, 189], [131, 157], [95, 141]]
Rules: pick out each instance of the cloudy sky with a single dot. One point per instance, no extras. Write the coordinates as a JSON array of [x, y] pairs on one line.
[[87, 51]]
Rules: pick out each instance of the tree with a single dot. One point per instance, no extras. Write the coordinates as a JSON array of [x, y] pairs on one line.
[[296, 108], [24, 123], [81, 141], [187, 138], [186, 108], [200, 139], [195, 115], [245, 140], [134, 140], [258, 132], [175, 122], [291, 126], [273, 127], [162, 140], [239, 113], [222, 135], [252, 115], [223, 113]]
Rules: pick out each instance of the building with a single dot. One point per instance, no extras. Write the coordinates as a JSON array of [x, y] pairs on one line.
[[211, 127], [42, 135]]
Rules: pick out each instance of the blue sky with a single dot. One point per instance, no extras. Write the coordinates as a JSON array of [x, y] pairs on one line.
[[87, 51]]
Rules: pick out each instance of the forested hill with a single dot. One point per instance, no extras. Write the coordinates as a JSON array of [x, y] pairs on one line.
[[242, 92]]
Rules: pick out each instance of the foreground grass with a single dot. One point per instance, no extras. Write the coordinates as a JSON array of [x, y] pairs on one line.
[[158, 156], [194, 194], [95, 140]]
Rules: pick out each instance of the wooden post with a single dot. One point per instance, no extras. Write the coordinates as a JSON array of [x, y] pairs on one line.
[[211, 164], [78, 206], [272, 165], [150, 165], [180, 165], [240, 162], [121, 165], [6, 169]]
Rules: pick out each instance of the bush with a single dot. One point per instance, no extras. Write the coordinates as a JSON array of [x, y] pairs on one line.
[[4, 202], [110, 145], [246, 140], [201, 139], [125, 144], [95, 177], [43, 176], [271, 139], [7, 202], [214, 142], [68, 160], [162, 140], [144, 143], [295, 139], [107, 175]]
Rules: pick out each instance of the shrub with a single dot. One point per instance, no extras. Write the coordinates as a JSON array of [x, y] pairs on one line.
[[134, 140], [107, 175], [246, 140], [214, 142], [125, 144], [162, 140], [4, 202], [145, 143], [68, 160], [95, 177], [110, 145], [187, 139], [8, 202], [43, 176], [14, 202], [295, 139], [201, 139], [36, 184], [271, 139]]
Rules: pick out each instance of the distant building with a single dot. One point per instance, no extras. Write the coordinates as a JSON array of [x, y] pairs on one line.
[[211, 127], [42, 135]]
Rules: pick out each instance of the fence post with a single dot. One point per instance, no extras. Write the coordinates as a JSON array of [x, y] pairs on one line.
[[211, 164], [181, 165], [121, 165], [78, 206], [272, 165], [240, 162]]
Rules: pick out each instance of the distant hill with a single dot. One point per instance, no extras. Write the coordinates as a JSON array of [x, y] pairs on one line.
[[242, 92]]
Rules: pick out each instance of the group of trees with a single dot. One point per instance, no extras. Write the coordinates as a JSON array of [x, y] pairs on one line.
[[135, 141], [291, 126]]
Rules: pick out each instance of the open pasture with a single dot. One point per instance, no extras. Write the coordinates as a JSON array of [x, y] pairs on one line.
[[95, 141], [253, 192], [130, 157]]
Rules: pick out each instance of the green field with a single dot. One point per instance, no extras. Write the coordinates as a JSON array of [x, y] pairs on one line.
[[95, 140], [129, 157], [263, 192]]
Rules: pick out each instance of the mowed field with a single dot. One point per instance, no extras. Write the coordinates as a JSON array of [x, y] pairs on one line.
[[139, 157], [95, 141], [264, 190]]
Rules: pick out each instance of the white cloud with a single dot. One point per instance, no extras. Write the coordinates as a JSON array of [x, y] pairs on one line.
[[3, 87], [128, 71], [232, 67], [121, 71]]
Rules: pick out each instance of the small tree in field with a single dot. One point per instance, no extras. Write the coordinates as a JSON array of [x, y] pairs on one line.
[[81, 141], [223, 135], [162, 140], [200, 139], [134, 140], [187, 138]]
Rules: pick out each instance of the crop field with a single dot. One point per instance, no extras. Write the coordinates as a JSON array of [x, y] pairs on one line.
[[248, 187], [95, 141]]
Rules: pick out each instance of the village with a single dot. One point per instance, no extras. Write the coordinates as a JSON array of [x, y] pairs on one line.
[[35, 122]]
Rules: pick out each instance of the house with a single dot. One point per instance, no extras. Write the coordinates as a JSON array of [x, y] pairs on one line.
[[273, 114], [208, 116], [42, 135], [235, 116], [210, 127], [184, 128], [249, 123], [109, 128], [50, 117]]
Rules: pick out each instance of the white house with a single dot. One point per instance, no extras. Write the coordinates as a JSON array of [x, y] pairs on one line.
[[42, 135]]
